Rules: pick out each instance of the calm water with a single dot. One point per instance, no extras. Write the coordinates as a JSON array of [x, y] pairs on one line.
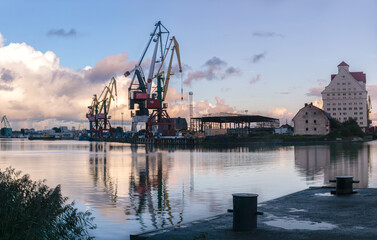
[[134, 189]]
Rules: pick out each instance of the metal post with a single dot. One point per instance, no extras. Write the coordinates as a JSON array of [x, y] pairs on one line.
[[344, 185], [245, 212]]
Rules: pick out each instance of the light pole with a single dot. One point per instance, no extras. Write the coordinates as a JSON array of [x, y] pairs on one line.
[[122, 122]]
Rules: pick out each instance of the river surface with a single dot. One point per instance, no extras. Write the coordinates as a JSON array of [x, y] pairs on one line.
[[133, 189]]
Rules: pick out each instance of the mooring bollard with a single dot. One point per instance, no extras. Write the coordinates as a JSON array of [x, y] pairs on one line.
[[343, 185], [245, 212]]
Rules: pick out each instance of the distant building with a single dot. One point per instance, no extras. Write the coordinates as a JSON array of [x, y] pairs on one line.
[[63, 129], [311, 120], [284, 129], [346, 96], [180, 123]]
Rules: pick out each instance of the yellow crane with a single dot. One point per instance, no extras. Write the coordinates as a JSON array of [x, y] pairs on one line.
[[99, 109], [165, 81]]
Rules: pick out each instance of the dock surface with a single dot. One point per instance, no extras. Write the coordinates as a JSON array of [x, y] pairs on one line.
[[309, 214]]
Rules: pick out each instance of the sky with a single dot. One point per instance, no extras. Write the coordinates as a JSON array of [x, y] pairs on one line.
[[268, 57]]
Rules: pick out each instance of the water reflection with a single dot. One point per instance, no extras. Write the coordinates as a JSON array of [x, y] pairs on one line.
[[333, 160], [148, 192], [100, 171], [133, 188]]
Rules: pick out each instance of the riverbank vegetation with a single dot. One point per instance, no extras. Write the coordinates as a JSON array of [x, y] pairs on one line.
[[31, 210]]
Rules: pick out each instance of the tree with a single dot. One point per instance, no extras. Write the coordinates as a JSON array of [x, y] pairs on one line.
[[32, 210], [349, 128], [56, 129]]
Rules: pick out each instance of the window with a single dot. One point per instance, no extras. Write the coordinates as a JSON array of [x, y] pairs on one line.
[[344, 108], [329, 94], [315, 113], [315, 121], [339, 108], [338, 83], [361, 123], [334, 104], [360, 108], [344, 83], [334, 109], [360, 93], [355, 113], [345, 118], [344, 94], [344, 89], [328, 109], [349, 108], [306, 121], [333, 114], [333, 94], [344, 103], [345, 113], [306, 129], [355, 108], [306, 113], [339, 104], [355, 118], [361, 113], [315, 129], [349, 84], [361, 118], [328, 104], [354, 94], [350, 103]]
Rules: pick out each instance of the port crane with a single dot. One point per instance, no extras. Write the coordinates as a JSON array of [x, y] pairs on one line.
[[369, 111], [98, 111], [150, 94], [5, 123]]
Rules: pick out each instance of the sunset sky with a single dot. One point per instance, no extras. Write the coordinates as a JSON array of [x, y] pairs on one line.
[[268, 57]]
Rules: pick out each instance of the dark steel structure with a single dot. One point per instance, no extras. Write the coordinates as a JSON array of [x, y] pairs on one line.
[[232, 121]]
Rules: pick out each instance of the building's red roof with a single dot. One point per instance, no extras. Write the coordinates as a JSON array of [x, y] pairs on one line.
[[359, 76], [343, 64]]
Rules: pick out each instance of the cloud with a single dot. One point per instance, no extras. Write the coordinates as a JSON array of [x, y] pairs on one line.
[[214, 69], [265, 34], [36, 90], [315, 92], [62, 33], [321, 82], [6, 75], [318, 103], [1, 40], [224, 90], [108, 67], [5, 87], [181, 108], [258, 57], [215, 61], [230, 71], [255, 79]]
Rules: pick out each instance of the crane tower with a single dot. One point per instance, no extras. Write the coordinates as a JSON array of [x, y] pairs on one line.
[[150, 94]]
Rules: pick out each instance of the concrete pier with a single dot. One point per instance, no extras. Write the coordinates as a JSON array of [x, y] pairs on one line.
[[309, 214]]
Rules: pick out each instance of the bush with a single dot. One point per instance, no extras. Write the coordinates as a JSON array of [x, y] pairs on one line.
[[349, 128], [32, 210]]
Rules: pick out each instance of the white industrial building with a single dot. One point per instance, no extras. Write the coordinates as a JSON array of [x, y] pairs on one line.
[[346, 96]]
